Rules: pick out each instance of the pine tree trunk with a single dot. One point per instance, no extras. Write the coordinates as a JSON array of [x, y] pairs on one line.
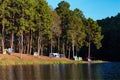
[[51, 45], [41, 49], [12, 39], [31, 40], [28, 44], [73, 48], [21, 46], [66, 48], [63, 47], [24, 49], [89, 49], [58, 45], [3, 29], [12, 35], [69, 52], [39, 45], [76, 51]]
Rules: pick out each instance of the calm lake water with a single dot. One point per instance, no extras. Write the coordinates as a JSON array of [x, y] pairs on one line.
[[102, 71]]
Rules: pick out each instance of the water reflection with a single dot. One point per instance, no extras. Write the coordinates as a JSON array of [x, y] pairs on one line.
[[105, 71], [89, 71]]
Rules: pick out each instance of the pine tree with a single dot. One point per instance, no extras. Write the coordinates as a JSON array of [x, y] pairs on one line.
[[63, 10], [75, 31], [4, 13], [93, 34], [44, 22]]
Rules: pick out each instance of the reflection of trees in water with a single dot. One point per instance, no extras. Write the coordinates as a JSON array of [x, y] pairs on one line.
[[51, 72], [10, 73], [27, 72], [89, 71], [17, 72], [7, 73], [3, 74], [35, 72], [22, 72], [78, 72], [55, 72], [60, 72], [94, 72], [46, 72]]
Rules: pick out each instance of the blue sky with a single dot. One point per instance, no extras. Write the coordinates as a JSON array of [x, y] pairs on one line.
[[95, 9]]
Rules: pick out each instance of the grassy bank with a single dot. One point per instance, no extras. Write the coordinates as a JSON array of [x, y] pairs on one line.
[[30, 62], [6, 61], [14, 59]]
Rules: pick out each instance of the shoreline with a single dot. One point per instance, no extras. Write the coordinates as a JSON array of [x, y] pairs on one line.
[[27, 59]]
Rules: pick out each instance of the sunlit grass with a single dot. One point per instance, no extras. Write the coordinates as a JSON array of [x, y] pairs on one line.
[[7, 61]]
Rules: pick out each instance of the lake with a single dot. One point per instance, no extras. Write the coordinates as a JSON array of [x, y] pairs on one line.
[[100, 71]]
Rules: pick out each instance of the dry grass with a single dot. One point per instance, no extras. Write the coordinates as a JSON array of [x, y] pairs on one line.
[[14, 59]]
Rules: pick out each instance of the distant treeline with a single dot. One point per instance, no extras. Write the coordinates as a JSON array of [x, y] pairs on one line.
[[30, 26], [111, 42]]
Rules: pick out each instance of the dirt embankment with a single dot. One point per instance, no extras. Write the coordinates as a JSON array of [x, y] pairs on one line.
[[29, 57]]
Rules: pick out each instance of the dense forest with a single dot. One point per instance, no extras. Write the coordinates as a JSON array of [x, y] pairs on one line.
[[30, 26], [110, 44]]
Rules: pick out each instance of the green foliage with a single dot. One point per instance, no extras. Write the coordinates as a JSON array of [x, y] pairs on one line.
[[93, 33], [111, 31], [63, 9], [4, 13], [44, 18], [36, 23], [75, 29]]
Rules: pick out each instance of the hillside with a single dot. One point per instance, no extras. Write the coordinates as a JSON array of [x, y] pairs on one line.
[[111, 43]]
